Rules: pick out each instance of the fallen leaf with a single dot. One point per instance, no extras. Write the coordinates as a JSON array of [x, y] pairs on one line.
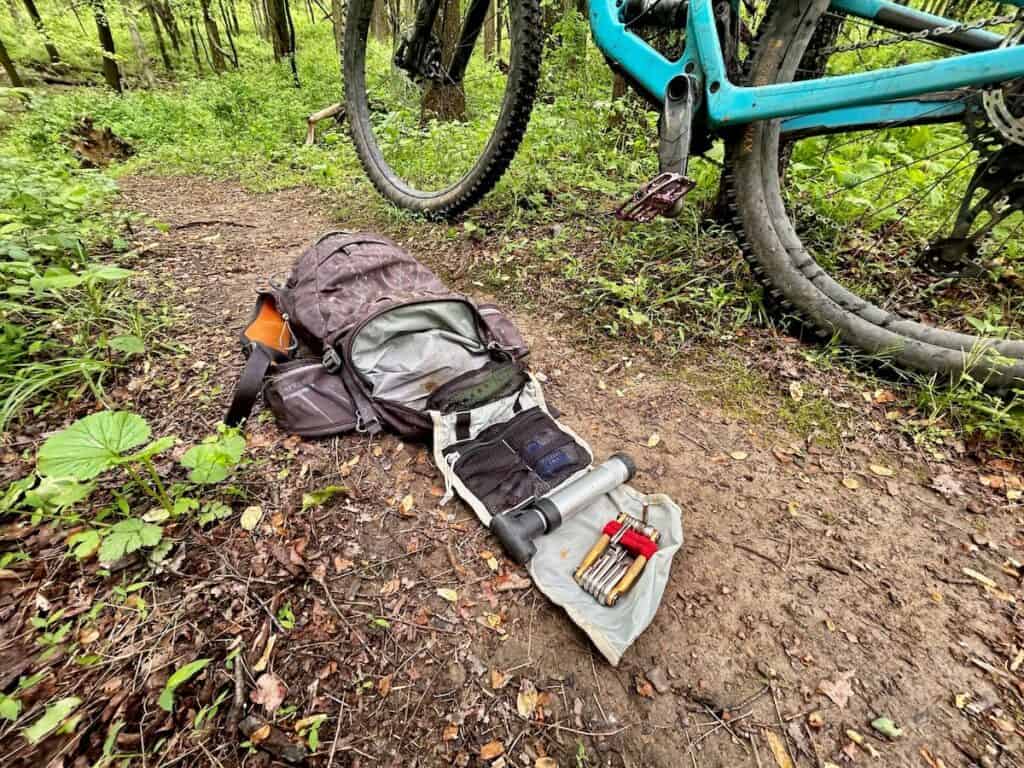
[[260, 734], [405, 506], [498, 679], [88, 635], [796, 391], [653, 440], [838, 689], [526, 700], [881, 470], [815, 720], [508, 582], [384, 686], [390, 587], [448, 594], [546, 762], [269, 692], [852, 483], [863, 743], [644, 687], [251, 517], [883, 396], [739, 455], [778, 748], [947, 485], [450, 732], [887, 728], [491, 750]]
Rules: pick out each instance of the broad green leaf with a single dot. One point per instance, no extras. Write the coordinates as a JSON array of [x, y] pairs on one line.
[[215, 457], [91, 445], [184, 505], [130, 345], [151, 450], [317, 498], [180, 677], [10, 707], [54, 715], [104, 272], [55, 279], [14, 492], [84, 543], [214, 511], [126, 536], [57, 493]]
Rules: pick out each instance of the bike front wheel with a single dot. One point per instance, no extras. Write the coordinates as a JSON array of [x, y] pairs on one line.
[[435, 129], [901, 239]]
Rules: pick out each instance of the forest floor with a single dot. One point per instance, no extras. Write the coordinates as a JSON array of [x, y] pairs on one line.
[[832, 572]]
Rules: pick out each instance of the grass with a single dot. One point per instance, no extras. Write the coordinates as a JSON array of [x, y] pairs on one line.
[[674, 286]]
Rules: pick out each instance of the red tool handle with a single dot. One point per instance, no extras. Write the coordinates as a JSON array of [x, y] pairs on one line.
[[634, 541]]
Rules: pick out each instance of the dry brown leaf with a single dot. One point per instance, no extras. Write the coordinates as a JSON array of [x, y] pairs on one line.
[[450, 732], [508, 582], [881, 470], [88, 635], [852, 483], [526, 700], [739, 455], [644, 687], [546, 762], [778, 748], [384, 686], [390, 587], [883, 396], [405, 506], [269, 692], [491, 750], [653, 440], [498, 679], [838, 689], [260, 734], [796, 391]]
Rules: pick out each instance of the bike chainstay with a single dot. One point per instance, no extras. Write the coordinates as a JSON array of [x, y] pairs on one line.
[[927, 34]]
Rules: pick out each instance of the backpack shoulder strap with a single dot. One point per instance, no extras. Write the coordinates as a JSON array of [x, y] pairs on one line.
[[266, 340]]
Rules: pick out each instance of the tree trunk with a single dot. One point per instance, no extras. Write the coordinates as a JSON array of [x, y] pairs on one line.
[[195, 45], [166, 15], [338, 21], [447, 101], [8, 65], [489, 30], [37, 21], [111, 72], [619, 90], [227, 31], [138, 45], [234, 17], [277, 23], [213, 38], [499, 23], [159, 35], [378, 21]]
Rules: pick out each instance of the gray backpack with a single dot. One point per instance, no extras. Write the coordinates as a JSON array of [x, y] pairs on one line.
[[364, 337]]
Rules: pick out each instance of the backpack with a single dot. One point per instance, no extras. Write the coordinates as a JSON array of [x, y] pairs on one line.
[[363, 337]]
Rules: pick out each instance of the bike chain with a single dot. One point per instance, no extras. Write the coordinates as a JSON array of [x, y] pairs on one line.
[[927, 34]]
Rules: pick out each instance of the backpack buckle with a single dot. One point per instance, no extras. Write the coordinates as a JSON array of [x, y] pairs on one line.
[[332, 360]]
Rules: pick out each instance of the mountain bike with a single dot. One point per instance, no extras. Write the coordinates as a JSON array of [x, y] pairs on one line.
[[862, 138]]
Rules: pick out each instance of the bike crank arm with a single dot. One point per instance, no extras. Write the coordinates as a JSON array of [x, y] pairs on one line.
[[663, 195]]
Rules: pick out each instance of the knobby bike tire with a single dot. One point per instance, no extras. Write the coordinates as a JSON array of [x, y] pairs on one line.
[[794, 280], [524, 72]]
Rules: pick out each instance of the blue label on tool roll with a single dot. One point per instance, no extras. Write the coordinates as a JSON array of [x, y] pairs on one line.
[[553, 463]]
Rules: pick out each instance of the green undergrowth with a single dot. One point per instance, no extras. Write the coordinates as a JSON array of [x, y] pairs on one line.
[[677, 286]]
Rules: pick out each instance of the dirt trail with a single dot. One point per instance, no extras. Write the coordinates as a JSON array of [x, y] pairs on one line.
[[801, 564]]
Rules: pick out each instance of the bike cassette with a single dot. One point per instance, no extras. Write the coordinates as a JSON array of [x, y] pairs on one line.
[[658, 197]]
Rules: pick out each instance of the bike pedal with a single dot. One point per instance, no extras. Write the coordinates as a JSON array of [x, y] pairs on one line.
[[658, 197]]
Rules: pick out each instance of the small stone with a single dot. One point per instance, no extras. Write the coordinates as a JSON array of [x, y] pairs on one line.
[[766, 670], [658, 678]]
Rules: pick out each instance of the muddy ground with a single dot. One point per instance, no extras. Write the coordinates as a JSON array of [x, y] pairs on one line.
[[831, 575]]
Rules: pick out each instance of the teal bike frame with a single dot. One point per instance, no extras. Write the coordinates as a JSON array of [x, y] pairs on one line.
[[847, 102]]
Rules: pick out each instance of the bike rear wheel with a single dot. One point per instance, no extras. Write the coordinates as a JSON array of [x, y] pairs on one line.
[[811, 224], [437, 144]]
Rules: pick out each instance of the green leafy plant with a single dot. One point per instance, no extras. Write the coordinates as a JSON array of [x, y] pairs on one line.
[[215, 457], [179, 678], [57, 715]]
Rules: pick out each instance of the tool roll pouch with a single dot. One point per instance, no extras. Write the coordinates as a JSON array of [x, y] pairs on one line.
[[612, 629], [506, 452]]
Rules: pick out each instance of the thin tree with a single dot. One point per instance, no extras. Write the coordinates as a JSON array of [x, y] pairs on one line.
[[137, 43], [338, 22], [282, 33], [9, 68], [213, 38], [446, 101], [195, 44], [227, 31], [170, 21], [111, 72], [159, 35], [37, 21], [489, 31]]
